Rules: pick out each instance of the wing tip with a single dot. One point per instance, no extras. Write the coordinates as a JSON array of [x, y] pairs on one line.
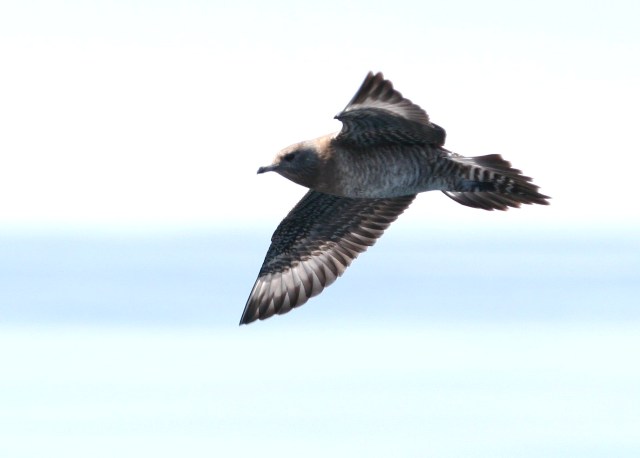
[[378, 93], [249, 314]]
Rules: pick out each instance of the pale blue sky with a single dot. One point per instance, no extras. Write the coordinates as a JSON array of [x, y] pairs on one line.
[[120, 114]]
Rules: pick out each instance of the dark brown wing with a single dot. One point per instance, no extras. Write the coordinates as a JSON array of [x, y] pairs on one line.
[[380, 115], [313, 246]]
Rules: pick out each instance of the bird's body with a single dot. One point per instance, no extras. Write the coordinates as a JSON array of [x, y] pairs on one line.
[[349, 173], [360, 180], [385, 171]]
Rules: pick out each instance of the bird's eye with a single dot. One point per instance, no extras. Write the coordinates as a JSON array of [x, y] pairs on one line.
[[289, 157]]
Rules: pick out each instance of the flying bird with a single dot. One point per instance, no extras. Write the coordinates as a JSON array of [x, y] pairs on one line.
[[360, 180]]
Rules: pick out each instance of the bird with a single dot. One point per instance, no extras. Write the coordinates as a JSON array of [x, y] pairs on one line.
[[359, 181]]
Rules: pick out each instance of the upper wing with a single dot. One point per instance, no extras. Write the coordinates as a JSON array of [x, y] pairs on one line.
[[378, 114], [313, 246]]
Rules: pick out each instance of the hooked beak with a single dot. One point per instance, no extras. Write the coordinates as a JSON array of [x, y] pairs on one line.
[[268, 168]]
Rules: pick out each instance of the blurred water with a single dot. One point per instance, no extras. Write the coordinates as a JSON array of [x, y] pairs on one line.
[[431, 345], [204, 278]]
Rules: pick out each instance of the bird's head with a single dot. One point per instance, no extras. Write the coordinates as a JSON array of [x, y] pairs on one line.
[[299, 163]]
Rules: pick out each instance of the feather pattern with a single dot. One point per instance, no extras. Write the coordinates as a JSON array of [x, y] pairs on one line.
[[490, 183], [313, 246], [379, 115]]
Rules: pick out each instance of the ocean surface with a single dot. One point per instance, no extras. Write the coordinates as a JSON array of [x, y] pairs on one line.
[[432, 344]]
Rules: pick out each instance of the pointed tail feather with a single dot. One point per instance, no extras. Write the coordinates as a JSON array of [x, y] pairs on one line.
[[491, 183]]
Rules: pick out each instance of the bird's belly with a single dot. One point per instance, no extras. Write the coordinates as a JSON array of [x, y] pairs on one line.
[[383, 174]]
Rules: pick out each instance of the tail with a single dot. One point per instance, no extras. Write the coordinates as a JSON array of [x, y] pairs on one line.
[[490, 183]]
